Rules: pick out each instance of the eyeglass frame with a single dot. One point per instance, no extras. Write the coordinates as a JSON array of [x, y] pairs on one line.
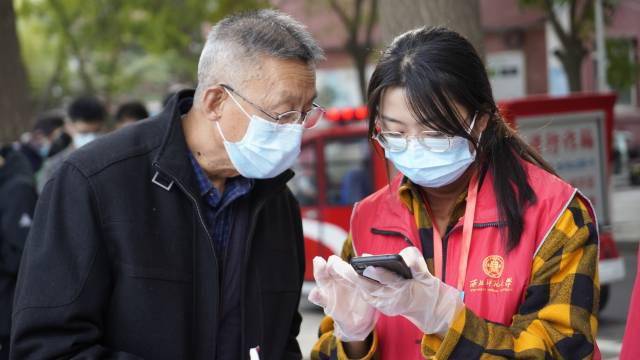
[[276, 118], [420, 139]]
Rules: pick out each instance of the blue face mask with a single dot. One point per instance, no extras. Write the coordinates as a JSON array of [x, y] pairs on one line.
[[44, 148], [267, 148], [82, 139], [433, 169]]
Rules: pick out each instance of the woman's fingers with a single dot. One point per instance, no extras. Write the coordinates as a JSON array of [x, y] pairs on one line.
[[320, 271], [318, 297], [381, 275], [414, 260], [341, 271]]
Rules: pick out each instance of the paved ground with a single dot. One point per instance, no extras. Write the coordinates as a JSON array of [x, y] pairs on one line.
[[625, 215]]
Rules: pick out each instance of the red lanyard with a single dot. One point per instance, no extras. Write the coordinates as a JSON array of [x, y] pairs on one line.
[[467, 229]]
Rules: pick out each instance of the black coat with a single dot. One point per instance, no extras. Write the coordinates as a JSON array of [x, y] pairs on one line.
[[17, 201], [119, 263]]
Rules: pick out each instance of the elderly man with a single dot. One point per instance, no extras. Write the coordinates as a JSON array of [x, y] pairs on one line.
[[176, 237]]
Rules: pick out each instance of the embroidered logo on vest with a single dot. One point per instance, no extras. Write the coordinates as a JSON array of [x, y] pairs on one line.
[[493, 266]]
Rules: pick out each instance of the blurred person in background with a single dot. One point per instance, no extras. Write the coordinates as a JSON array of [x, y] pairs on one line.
[[59, 143], [47, 129], [503, 254], [86, 121], [130, 112], [17, 201], [177, 238]]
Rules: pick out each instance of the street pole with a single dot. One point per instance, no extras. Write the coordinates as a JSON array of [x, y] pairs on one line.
[[601, 51]]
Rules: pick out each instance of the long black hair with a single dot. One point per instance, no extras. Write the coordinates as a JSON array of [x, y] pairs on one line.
[[438, 68]]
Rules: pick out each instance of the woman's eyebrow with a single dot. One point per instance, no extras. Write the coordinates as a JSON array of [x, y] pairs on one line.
[[390, 119]]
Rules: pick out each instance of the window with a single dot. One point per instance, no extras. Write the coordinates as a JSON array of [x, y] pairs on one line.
[[349, 170], [305, 185]]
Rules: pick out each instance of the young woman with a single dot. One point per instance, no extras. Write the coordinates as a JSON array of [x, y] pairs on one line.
[[503, 253]]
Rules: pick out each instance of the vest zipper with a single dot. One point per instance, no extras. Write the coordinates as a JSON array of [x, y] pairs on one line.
[[393, 233], [445, 239], [457, 226], [490, 224]]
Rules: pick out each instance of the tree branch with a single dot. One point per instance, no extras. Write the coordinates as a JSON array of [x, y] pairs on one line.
[[75, 48], [582, 17], [572, 16], [555, 23], [45, 97], [344, 18], [357, 19], [373, 17]]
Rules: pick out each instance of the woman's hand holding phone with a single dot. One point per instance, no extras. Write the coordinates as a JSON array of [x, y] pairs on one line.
[[427, 302], [336, 292]]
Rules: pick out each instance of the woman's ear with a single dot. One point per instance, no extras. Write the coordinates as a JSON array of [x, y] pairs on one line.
[[212, 102], [481, 124]]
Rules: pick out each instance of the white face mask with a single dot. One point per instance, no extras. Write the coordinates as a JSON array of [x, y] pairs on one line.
[[266, 150], [434, 169], [82, 139]]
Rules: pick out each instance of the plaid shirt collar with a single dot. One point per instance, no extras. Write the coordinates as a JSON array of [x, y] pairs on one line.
[[234, 187], [411, 197]]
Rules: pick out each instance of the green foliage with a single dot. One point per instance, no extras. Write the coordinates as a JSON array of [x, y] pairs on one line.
[[578, 35], [622, 68], [115, 48]]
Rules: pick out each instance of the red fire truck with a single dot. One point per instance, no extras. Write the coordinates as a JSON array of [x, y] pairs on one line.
[[338, 167]]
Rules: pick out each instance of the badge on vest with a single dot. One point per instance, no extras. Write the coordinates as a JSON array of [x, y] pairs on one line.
[[493, 267]]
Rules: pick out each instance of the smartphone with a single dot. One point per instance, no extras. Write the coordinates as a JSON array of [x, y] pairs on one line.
[[391, 262]]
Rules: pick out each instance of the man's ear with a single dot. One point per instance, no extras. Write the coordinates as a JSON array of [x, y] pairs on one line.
[[69, 128], [213, 102]]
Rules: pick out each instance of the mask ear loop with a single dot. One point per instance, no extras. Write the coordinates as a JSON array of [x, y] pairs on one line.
[[220, 131], [237, 103], [241, 109], [473, 122]]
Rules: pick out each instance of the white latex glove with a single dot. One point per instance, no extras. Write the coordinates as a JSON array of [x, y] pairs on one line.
[[336, 292], [424, 300]]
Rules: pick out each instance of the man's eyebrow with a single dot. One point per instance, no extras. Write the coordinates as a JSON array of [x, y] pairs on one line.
[[290, 99]]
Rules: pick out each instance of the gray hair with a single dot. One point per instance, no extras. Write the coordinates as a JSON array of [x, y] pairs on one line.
[[237, 41]]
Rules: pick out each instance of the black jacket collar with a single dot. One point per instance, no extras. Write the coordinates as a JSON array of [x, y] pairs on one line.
[[171, 159]]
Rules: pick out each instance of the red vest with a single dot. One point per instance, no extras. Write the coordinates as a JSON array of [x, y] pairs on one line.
[[496, 280], [630, 344]]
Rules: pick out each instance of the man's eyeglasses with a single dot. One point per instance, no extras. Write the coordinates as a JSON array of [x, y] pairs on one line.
[[308, 119]]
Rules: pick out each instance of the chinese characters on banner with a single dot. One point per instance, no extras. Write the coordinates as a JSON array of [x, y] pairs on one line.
[[574, 145]]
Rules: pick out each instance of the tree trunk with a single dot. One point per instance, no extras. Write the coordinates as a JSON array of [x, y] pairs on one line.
[[571, 58], [360, 60], [463, 16], [572, 67], [15, 115]]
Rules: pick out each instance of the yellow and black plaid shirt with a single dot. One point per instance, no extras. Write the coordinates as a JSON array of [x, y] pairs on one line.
[[558, 318]]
